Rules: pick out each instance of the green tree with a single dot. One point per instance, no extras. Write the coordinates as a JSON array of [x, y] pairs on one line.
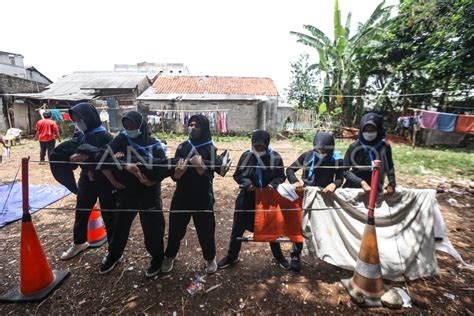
[[338, 58], [429, 47], [302, 89]]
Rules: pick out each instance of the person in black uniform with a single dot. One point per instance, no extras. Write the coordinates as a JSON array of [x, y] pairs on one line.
[[194, 195], [92, 184], [328, 179], [370, 146], [258, 168], [139, 190]]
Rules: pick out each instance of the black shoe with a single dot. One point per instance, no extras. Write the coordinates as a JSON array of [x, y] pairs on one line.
[[227, 262], [154, 269], [283, 263], [295, 264], [109, 264]]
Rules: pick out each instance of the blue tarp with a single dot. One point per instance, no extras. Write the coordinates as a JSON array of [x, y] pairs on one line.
[[40, 196]]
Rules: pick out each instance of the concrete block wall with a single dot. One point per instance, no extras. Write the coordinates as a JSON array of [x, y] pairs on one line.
[[242, 117]]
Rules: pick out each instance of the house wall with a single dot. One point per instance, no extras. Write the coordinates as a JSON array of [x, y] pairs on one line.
[[10, 84], [3, 118], [7, 59], [283, 114], [12, 70], [36, 76], [243, 117], [26, 116], [115, 99]]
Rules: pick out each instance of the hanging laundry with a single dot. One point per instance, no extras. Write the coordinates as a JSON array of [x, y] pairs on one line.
[[428, 119], [219, 121], [66, 116], [41, 111], [465, 124], [212, 121], [154, 119], [56, 114], [104, 116], [447, 121], [226, 127]]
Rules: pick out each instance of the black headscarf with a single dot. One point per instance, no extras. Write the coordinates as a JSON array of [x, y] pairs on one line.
[[137, 117], [375, 120], [261, 138], [324, 141], [203, 123], [88, 113]]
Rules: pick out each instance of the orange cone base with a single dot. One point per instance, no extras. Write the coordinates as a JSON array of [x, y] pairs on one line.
[[15, 296], [98, 243], [358, 297]]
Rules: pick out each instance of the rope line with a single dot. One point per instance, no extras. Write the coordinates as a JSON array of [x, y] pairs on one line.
[[434, 94], [193, 211], [210, 166], [10, 190]]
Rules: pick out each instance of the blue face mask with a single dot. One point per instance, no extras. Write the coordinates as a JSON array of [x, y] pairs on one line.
[[133, 133]]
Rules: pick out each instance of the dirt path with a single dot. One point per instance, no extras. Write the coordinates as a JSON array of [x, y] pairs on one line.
[[254, 286]]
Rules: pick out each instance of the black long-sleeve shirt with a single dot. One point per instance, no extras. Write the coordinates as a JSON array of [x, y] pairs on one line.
[[133, 186], [321, 177], [195, 191], [272, 170], [356, 155]]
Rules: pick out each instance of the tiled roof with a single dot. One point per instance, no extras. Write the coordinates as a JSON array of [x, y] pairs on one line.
[[214, 85]]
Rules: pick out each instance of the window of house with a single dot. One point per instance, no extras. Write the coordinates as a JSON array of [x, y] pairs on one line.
[[12, 59]]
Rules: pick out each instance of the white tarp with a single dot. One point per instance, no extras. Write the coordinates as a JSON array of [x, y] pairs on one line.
[[405, 224]]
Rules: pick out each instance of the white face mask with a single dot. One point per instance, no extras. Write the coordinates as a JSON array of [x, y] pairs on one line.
[[81, 125], [133, 133], [369, 136], [259, 153]]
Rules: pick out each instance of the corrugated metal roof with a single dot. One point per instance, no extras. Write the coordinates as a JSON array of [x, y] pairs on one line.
[[82, 85], [206, 87]]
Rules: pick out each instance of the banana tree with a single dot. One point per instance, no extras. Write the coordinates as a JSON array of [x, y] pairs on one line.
[[338, 61]]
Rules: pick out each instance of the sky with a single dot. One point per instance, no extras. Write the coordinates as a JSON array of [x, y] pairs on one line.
[[248, 38]]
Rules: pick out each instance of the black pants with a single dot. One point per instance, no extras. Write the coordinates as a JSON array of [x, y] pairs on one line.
[[297, 249], [153, 226], [46, 146], [205, 224], [245, 221], [87, 196]]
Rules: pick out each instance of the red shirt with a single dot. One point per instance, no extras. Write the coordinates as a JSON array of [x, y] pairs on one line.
[[46, 130]]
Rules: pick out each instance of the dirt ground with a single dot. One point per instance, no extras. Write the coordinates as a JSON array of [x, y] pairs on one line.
[[255, 286]]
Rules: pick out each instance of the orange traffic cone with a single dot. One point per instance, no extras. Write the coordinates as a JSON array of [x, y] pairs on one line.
[[96, 234], [366, 285], [37, 279]]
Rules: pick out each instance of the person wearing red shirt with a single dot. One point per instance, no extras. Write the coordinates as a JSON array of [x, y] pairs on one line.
[[46, 132]]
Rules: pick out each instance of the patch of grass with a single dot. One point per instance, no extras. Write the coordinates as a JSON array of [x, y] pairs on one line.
[[430, 161], [420, 161]]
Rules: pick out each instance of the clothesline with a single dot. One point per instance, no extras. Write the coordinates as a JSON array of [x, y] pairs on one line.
[[193, 111], [447, 122], [217, 117], [212, 166], [393, 95]]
